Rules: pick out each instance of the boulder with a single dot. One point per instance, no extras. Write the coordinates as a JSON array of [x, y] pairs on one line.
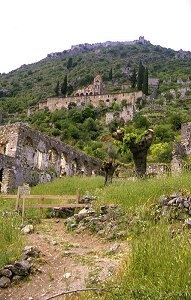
[[5, 282]]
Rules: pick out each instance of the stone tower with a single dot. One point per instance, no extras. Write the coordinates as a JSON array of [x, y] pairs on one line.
[[98, 86]]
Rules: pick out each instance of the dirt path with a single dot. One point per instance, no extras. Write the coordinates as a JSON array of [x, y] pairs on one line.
[[68, 261]]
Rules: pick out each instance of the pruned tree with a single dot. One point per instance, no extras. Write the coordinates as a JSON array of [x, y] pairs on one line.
[[137, 144], [109, 168]]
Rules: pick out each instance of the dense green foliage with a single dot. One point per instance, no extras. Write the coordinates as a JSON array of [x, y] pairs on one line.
[[119, 66]]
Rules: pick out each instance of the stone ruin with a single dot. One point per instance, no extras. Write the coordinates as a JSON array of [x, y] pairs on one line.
[[28, 156], [182, 150]]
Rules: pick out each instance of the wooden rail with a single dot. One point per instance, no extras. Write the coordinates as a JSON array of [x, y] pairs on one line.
[[42, 198]]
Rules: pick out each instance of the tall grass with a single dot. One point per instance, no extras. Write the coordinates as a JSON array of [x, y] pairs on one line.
[[159, 266], [133, 194], [69, 186], [11, 241]]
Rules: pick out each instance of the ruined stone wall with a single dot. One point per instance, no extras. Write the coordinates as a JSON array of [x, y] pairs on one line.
[[181, 149], [54, 103], [8, 139], [36, 157]]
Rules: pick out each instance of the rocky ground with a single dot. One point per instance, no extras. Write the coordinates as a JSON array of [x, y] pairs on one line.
[[68, 260]]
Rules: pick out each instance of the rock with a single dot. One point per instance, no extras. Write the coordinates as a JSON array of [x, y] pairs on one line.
[[186, 204], [54, 243], [113, 248], [187, 223], [163, 200], [67, 275], [17, 278], [31, 251], [5, 282], [27, 229], [73, 226], [172, 202], [87, 199], [21, 268], [6, 273]]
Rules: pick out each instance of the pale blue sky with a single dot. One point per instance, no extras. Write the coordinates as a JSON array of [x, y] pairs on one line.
[[30, 29]]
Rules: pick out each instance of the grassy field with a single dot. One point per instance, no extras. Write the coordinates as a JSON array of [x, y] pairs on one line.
[[159, 265]]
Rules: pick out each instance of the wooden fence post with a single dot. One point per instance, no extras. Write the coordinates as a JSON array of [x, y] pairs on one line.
[[23, 210], [17, 200]]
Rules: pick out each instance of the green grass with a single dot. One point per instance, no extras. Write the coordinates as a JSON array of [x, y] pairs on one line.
[[158, 265], [11, 241], [69, 186], [133, 194]]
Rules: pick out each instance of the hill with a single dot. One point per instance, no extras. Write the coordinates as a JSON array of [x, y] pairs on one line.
[[22, 89]]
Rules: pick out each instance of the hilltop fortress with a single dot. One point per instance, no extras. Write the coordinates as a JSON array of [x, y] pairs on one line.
[[95, 95], [88, 47]]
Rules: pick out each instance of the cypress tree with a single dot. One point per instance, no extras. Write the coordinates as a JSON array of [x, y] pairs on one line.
[[145, 87], [140, 76], [64, 86]]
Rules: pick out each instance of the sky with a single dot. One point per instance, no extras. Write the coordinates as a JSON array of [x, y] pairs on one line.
[[30, 29]]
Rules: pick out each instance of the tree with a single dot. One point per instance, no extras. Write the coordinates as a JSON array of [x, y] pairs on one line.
[[111, 74], [109, 168], [57, 89], [133, 78], [145, 87], [137, 144], [140, 76], [69, 63], [64, 86]]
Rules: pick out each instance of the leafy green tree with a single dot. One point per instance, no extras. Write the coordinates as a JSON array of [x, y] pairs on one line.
[[140, 76], [133, 78], [176, 121], [161, 152], [145, 86], [164, 133], [64, 86], [141, 121]]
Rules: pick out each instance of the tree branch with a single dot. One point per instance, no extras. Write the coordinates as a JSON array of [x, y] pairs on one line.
[[81, 290]]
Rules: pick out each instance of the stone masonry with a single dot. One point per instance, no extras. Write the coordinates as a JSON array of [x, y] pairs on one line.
[[181, 149], [106, 100], [28, 156]]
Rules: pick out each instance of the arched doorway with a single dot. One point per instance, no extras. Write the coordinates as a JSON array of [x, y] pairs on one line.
[[63, 165]]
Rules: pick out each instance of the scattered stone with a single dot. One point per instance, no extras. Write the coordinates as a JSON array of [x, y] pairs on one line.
[[27, 229], [113, 248], [21, 268], [17, 278], [5, 282], [67, 275], [6, 273], [54, 243], [30, 251], [87, 199], [187, 223]]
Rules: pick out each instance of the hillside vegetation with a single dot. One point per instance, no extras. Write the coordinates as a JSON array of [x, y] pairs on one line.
[[23, 88]]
